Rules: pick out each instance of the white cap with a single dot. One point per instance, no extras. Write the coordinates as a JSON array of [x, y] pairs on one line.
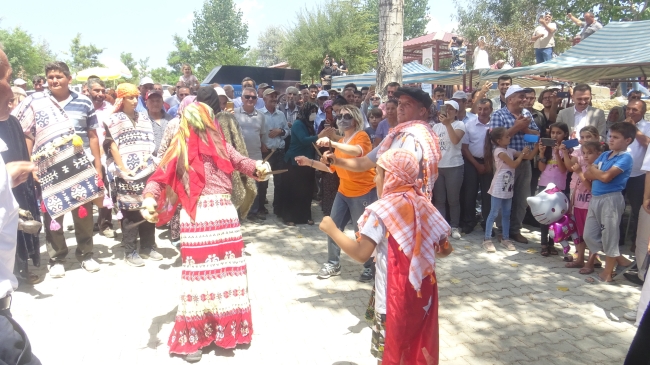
[[221, 92], [323, 93], [452, 103], [517, 89], [146, 80], [19, 82], [459, 95]]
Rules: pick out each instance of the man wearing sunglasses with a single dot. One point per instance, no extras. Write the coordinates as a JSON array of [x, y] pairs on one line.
[[252, 125]]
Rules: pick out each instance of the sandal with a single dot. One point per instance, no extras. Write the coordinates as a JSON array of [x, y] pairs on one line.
[[310, 222], [290, 224], [552, 251], [586, 271], [575, 265], [596, 279], [568, 258], [598, 264], [544, 252]]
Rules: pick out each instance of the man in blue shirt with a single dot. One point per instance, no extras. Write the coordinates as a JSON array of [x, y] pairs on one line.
[[518, 121], [146, 85], [322, 97], [275, 132]]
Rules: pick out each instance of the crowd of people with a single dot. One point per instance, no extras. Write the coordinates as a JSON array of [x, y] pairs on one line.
[[405, 168]]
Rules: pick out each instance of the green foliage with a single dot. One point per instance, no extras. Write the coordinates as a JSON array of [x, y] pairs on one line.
[[128, 61], [416, 17], [185, 53], [218, 36], [83, 56], [165, 76], [340, 28], [269, 46], [27, 57]]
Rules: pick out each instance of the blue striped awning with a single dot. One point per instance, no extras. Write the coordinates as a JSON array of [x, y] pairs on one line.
[[619, 50], [411, 73]]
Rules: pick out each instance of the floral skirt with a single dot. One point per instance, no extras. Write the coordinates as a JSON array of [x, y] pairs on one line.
[[213, 305]]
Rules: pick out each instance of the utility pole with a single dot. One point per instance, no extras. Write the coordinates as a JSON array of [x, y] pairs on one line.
[[391, 39]]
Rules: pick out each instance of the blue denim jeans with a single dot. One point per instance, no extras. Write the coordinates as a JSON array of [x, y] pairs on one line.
[[259, 200], [636, 86], [343, 210], [543, 54], [505, 206]]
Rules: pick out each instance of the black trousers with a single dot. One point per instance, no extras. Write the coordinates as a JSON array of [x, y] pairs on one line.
[[146, 231], [15, 348], [634, 193], [105, 215], [277, 163], [472, 181], [638, 353]]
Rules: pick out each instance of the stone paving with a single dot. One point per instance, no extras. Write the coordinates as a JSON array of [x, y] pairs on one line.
[[510, 308]]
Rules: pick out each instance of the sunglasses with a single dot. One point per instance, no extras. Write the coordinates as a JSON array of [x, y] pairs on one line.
[[374, 98], [249, 97], [344, 116]]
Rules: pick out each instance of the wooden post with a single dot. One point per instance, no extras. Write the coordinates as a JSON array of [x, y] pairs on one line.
[[391, 49], [436, 58]]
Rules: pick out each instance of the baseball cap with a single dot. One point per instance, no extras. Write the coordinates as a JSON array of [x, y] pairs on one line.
[[460, 95], [332, 91], [152, 93], [323, 93], [513, 89], [452, 103], [269, 91], [221, 92], [146, 80], [263, 85], [417, 94], [19, 82]]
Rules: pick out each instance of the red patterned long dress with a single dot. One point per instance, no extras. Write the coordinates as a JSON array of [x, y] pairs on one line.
[[213, 305]]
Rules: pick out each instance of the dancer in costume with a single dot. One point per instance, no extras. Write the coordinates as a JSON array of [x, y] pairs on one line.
[[195, 172], [130, 146], [407, 232]]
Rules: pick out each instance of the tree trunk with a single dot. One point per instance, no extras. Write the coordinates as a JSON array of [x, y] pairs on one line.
[[391, 37]]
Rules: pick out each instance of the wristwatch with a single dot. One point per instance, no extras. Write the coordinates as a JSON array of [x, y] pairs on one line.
[[542, 160]]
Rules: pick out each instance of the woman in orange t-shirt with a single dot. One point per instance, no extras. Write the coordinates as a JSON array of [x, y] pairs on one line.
[[356, 191]]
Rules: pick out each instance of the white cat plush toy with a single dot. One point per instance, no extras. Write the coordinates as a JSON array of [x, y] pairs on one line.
[[551, 207]]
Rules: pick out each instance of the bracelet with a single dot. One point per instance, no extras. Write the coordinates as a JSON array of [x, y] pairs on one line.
[[312, 163], [542, 160]]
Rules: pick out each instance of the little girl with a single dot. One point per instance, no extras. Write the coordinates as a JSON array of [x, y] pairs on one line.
[[580, 159], [188, 78], [408, 235], [506, 161], [553, 170]]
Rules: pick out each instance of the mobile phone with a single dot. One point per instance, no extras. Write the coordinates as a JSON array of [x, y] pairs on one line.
[[440, 103], [563, 94], [230, 105], [531, 138], [548, 142], [571, 143]]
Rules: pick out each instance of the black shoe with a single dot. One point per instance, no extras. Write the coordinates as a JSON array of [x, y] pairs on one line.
[[95, 227], [633, 277], [468, 229]]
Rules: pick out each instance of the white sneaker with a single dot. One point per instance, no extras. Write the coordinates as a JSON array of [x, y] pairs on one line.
[[90, 265], [630, 316], [57, 270], [455, 233]]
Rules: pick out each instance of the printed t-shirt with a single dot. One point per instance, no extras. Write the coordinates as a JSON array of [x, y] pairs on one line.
[[354, 184], [504, 177], [451, 155], [621, 160], [552, 173]]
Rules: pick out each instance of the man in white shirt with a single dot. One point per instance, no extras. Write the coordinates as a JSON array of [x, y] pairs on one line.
[[581, 114], [475, 175], [635, 112], [544, 39], [321, 98], [14, 344]]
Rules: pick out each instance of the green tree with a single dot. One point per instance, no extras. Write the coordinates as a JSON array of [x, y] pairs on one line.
[[143, 67], [164, 75], [185, 53], [416, 16], [128, 61], [341, 29], [83, 56], [219, 35], [269, 46], [27, 57]]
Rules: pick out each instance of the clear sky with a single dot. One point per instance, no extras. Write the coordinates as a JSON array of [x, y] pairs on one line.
[[145, 28]]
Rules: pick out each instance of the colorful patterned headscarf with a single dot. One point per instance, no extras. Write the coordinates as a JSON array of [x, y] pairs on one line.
[[409, 217], [181, 168], [124, 90], [327, 104]]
